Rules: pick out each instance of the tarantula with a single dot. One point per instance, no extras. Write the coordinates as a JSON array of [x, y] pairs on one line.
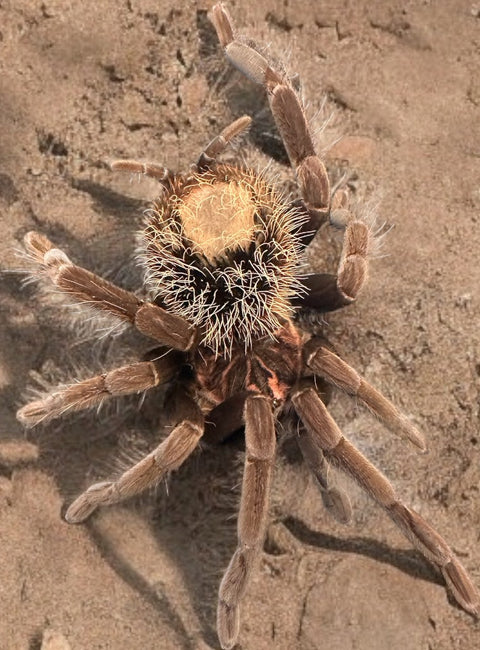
[[221, 249]]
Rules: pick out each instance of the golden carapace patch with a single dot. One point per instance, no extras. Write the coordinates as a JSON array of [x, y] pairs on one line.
[[217, 216]]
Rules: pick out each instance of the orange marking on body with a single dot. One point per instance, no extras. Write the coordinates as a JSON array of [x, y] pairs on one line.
[[278, 388]]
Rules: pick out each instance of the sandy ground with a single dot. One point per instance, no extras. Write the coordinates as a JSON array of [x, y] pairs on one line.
[[82, 83]]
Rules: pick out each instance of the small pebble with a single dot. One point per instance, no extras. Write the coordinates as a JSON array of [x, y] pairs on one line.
[[53, 640], [357, 150]]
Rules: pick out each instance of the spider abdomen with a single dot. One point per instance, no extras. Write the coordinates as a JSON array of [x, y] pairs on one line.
[[221, 250], [218, 218]]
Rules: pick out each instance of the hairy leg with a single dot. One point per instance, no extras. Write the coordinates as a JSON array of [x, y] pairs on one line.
[[286, 109], [220, 142], [323, 293], [353, 267], [259, 458], [327, 292], [336, 501], [133, 378], [168, 456], [88, 288], [152, 170], [328, 365], [311, 173], [338, 450]]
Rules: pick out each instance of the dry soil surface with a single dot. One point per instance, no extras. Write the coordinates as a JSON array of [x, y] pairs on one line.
[[82, 83]]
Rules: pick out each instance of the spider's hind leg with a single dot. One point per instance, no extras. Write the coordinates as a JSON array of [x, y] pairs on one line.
[[107, 298], [168, 456], [286, 109], [291, 121], [326, 434]]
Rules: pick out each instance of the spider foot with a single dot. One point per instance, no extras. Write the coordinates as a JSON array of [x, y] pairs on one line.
[[228, 618], [462, 588], [87, 503], [338, 505], [33, 413]]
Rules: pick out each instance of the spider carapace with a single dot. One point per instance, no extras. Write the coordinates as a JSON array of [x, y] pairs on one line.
[[221, 250]]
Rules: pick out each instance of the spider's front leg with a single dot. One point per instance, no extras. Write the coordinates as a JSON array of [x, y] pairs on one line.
[[168, 456], [259, 459], [86, 287], [326, 434]]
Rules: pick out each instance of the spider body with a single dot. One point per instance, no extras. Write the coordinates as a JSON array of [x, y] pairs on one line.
[[269, 367], [221, 249]]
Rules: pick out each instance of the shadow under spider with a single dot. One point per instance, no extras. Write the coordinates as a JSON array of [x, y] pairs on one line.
[[108, 202], [409, 560], [140, 585], [194, 523]]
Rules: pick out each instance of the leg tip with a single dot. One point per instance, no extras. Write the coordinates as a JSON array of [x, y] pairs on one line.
[[462, 588], [87, 503], [37, 244], [78, 512], [228, 625], [31, 414], [338, 505]]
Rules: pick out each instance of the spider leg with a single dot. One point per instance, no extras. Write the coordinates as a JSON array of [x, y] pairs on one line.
[[329, 292], [86, 287], [220, 142], [259, 458], [132, 378], [353, 267], [328, 365], [326, 434], [168, 456], [286, 109], [323, 293], [152, 170], [225, 419], [311, 222], [335, 500], [311, 173]]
